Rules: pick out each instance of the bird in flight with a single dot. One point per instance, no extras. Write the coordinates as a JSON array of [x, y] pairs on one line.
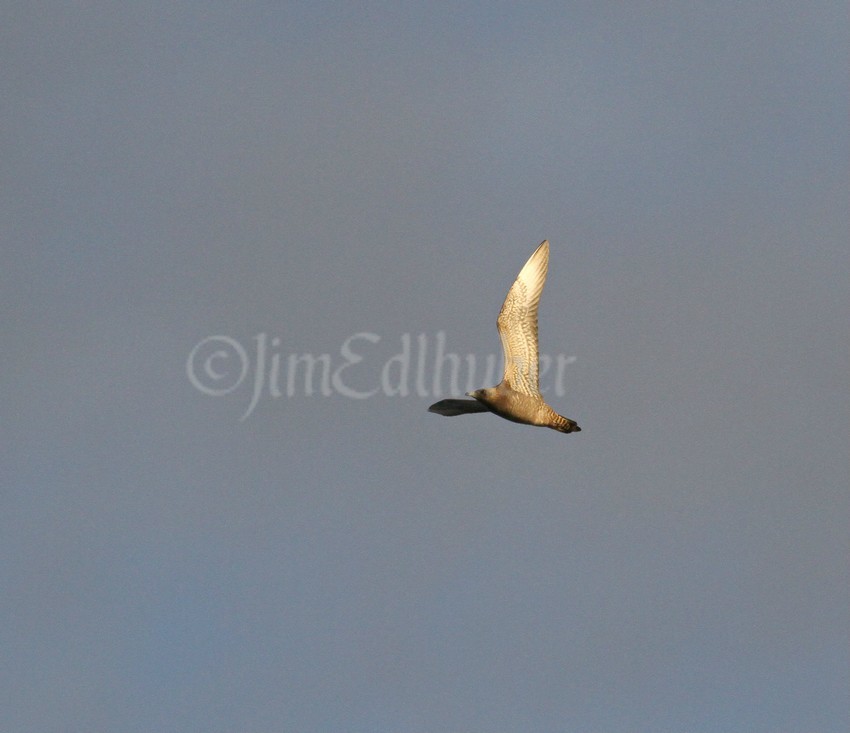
[[517, 397]]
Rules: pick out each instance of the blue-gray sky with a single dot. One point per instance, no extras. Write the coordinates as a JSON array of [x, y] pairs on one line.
[[315, 171]]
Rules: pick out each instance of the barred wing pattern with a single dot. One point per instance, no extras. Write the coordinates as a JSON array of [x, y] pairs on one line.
[[517, 323]]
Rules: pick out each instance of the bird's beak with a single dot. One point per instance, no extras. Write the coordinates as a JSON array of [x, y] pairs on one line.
[[469, 394]]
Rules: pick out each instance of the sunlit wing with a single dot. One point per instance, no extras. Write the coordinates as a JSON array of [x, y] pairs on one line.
[[517, 323]]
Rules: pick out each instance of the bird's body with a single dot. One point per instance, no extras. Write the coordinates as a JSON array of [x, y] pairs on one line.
[[517, 397], [523, 408]]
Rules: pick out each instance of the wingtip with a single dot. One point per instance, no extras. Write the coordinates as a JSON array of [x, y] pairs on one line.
[[541, 251]]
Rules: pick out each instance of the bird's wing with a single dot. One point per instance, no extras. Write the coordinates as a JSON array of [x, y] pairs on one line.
[[517, 323], [452, 407]]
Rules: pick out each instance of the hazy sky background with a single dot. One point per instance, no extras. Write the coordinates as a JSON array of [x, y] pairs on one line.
[[311, 171]]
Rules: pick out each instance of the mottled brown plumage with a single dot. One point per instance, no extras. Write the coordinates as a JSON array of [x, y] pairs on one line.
[[517, 397]]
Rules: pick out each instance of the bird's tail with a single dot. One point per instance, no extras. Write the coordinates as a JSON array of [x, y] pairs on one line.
[[564, 425]]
